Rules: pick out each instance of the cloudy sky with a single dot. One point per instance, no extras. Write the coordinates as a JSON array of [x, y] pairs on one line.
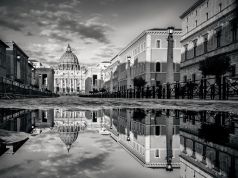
[[95, 29]]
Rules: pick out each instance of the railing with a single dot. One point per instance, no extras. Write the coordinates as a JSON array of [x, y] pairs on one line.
[[11, 89], [206, 88]]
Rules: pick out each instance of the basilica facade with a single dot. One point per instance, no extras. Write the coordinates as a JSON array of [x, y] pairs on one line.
[[69, 75]]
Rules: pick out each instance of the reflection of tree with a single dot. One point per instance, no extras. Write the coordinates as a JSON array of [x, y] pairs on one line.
[[214, 133], [139, 114]]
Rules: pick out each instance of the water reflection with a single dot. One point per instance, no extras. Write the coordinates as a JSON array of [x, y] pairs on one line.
[[200, 143]]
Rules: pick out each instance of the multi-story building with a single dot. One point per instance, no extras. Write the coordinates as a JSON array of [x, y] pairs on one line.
[[209, 29], [94, 77], [17, 63], [146, 57], [110, 75], [3, 63], [69, 75]]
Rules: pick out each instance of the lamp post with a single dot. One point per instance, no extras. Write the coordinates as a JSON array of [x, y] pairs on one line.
[[128, 71], [170, 70]]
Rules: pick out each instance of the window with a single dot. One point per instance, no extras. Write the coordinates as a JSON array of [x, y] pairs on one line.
[[195, 48], [194, 77], [186, 52], [185, 78], [196, 12], [205, 43], [207, 16], [218, 36], [196, 23], [234, 30], [157, 130], [158, 67], [233, 70], [220, 7], [187, 29], [157, 153], [207, 3], [158, 44]]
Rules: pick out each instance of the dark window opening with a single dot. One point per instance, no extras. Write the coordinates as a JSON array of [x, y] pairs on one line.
[[157, 153], [195, 48], [158, 67], [205, 43], [218, 35], [157, 130], [158, 44], [186, 52]]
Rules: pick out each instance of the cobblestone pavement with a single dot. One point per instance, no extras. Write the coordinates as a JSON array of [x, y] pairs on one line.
[[77, 103]]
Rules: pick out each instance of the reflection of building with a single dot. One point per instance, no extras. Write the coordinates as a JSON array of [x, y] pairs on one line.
[[146, 57], [3, 61], [151, 137], [69, 75], [209, 29], [68, 125], [208, 145]]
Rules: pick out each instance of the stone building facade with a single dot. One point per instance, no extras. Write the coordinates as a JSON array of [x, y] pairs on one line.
[[3, 61], [209, 29], [146, 57], [17, 63]]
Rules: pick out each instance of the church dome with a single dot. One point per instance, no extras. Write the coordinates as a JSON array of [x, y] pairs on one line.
[[68, 132], [69, 60]]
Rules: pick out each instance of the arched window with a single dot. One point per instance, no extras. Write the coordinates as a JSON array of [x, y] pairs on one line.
[[158, 67]]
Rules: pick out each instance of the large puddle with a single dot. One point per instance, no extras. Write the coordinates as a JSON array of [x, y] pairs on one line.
[[116, 143]]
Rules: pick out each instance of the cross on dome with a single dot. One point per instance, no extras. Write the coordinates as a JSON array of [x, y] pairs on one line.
[[69, 48]]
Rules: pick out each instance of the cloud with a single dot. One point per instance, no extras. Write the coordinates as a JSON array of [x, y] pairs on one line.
[[14, 25]]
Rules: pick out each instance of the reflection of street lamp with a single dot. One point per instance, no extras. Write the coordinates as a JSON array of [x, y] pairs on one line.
[[170, 70]]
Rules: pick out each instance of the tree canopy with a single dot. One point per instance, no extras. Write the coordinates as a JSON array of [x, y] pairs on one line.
[[139, 82], [216, 65]]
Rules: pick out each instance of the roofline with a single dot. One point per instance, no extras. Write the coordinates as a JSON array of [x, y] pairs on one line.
[[194, 6], [4, 44], [17, 47], [144, 33], [114, 58]]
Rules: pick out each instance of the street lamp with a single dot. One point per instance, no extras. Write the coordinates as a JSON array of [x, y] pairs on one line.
[[170, 70], [170, 30]]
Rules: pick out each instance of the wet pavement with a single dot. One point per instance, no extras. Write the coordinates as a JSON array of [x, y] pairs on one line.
[[80, 137]]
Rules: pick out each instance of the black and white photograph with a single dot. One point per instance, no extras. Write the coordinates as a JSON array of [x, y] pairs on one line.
[[118, 88]]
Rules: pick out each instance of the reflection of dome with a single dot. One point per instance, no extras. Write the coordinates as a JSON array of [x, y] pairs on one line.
[[68, 133], [69, 60]]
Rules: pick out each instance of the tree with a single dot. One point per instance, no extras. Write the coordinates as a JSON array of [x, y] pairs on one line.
[[216, 66], [103, 90], [139, 82]]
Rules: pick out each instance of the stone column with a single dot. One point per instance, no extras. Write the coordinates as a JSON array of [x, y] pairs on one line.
[[170, 69]]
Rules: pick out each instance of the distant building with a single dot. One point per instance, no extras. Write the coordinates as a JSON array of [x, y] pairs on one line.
[[209, 29], [3, 61], [94, 77], [17, 63], [45, 78], [69, 75]]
